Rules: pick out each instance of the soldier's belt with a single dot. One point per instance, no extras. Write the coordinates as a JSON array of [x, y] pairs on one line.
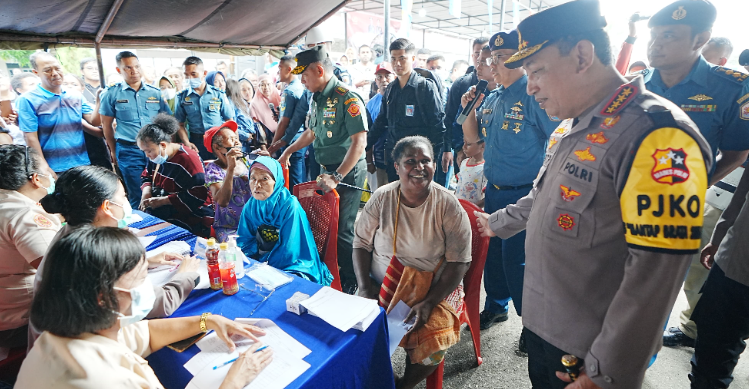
[[526, 186]]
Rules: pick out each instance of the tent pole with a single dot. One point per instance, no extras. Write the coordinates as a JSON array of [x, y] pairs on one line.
[[386, 44], [100, 64]]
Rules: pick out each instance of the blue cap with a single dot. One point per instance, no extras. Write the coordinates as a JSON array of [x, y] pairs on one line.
[[699, 14], [504, 40]]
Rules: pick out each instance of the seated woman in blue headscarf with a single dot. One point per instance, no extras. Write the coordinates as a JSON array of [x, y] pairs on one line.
[[274, 228]]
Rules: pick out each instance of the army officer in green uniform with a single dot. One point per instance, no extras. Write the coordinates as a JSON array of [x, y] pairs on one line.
[[338, 128]]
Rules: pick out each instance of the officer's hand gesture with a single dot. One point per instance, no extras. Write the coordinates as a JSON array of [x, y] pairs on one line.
[[467, 97], [284, 158], [483, 219], [707, 257], [582, 382], [326, 182], [192, 146]]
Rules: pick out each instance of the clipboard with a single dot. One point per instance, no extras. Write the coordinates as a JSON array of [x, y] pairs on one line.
[[184, 344]]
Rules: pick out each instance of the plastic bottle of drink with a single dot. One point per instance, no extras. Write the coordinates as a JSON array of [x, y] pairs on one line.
[[214, 273], [234, 255], [228, 278]]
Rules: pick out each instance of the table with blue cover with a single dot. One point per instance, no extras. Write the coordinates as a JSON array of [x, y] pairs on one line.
[[353, 359]]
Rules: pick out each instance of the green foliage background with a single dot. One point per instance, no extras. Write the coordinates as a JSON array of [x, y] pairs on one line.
[[69, 57]]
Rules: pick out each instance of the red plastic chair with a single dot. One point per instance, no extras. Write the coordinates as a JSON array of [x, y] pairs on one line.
[[10, 366], [472, 289], [322, 213], [286, 176]]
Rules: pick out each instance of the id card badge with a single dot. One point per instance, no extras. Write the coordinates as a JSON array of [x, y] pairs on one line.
[[409, 110]]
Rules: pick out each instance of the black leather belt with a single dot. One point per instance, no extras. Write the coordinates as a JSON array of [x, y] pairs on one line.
[[526, 186], [126, 142]]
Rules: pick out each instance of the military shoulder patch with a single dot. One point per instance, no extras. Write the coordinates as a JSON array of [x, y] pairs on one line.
[[349, 100], [42, 221], [663, 197], [623, 96], [341, 90], [354, 110], [744, 111], [734, 75]]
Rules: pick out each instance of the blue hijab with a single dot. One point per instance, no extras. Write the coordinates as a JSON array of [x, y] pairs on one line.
[[295, 251], [211, 77]]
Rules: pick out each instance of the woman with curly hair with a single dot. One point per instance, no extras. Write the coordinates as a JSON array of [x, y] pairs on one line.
[[174, 179]]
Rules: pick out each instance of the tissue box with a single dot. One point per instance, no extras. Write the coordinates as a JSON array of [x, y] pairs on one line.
[[292, 304]]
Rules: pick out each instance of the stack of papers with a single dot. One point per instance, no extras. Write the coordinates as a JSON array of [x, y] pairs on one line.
[[163, 274], [341, 310], [287, 364]]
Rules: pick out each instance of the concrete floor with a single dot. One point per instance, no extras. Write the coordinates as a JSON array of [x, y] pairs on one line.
[[504, 368]]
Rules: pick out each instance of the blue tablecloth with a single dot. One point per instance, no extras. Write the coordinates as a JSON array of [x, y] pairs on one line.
[[353, 359]]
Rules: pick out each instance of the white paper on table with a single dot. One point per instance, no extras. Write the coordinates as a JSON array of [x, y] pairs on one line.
[[287, 362], [397, 329], [364, 324], [134, 218], [268, 276], [339, 309], [146, 240], [175, 247]]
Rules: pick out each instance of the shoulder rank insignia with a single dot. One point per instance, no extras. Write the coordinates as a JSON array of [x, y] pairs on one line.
[[700, 97], [341, 90], [597, 138], [585, 155], [354, 110], [623, 96], [730, 74], [568, 194]]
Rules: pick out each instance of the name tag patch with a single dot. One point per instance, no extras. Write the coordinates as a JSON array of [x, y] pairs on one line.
[[409, 110], [123, 101]]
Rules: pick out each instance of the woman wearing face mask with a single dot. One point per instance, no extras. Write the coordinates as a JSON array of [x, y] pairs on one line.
[[174, 179], [25, 232], [216, 79], [92, 195], [168, 91], [273, 227], [89, 306]]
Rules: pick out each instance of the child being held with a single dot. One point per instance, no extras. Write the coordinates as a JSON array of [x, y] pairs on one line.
[[471, 181]]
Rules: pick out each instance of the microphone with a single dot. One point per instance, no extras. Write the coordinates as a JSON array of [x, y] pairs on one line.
[[480, 88]]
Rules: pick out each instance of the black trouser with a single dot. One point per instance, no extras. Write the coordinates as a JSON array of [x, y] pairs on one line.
[[197, 140], [16, 337], [544, 361], [722, 318], [97, 151]]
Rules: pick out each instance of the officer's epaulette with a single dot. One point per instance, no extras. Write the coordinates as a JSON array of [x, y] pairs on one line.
[[734, 75], [622, 97], [341, 90]]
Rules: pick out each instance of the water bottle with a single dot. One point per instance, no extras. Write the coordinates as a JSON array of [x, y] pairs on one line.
[[214, 273], [228, 277], [234, 255]]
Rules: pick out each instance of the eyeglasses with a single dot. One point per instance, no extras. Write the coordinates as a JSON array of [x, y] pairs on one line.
[[497, 58], [259, 289]]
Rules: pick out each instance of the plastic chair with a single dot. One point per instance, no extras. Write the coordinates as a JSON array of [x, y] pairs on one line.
[[286, 177], [472, 289], [322, 213]]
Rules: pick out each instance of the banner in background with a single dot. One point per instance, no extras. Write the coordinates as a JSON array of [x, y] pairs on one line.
[[369, 29]]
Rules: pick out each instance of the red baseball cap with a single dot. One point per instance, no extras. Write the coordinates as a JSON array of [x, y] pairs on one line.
[[208, 136], [384, 67]]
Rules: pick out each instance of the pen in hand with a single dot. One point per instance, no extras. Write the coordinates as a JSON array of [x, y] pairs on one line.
[[233, 360]]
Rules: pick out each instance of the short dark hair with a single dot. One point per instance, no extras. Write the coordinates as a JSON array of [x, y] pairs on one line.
[[221, 63], [436, 57], [87, 60], [599, 38], [161, 129], [410, 142], [327, 65], [459, 62], [363, 46], [722, 43], [17, 81], [486, 48], [192, 60], [402, 44], [77, 293], [16, 169], [480, 41], [424, 50], [638, 64], [35, 55], [287, 58], [124, 54], [80, 191]]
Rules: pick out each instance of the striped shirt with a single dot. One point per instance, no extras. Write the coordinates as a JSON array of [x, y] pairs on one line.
[[182, 178], [56, 118]]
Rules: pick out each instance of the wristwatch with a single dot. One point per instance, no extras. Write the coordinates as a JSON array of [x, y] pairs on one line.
[[338, 177]]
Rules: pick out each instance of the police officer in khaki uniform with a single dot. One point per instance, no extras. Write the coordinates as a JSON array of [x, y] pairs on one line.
[[619, 210], [338, 128]]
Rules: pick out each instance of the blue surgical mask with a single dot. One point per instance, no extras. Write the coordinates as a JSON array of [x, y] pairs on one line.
[[160, 159], [142, 298], [128, 214], [195, 82], [51, 188]]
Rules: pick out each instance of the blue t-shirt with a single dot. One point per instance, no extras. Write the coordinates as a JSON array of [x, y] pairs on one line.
[[56, 118], [294, 105]]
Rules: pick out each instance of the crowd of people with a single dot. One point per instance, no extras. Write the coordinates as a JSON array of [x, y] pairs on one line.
[[638, 169]]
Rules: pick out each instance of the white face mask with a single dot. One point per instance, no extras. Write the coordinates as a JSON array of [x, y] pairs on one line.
[[142, 299], [170, 93], [127, 214]]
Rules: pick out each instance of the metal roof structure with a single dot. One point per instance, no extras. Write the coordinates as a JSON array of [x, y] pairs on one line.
[[474, 14]]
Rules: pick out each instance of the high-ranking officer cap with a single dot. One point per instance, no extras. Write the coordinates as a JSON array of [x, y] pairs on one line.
[[504, 40], [307, 57], [548, 26], [699, 14]]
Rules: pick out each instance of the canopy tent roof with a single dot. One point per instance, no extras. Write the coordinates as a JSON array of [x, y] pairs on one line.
[[474, 19], [239, 27]]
